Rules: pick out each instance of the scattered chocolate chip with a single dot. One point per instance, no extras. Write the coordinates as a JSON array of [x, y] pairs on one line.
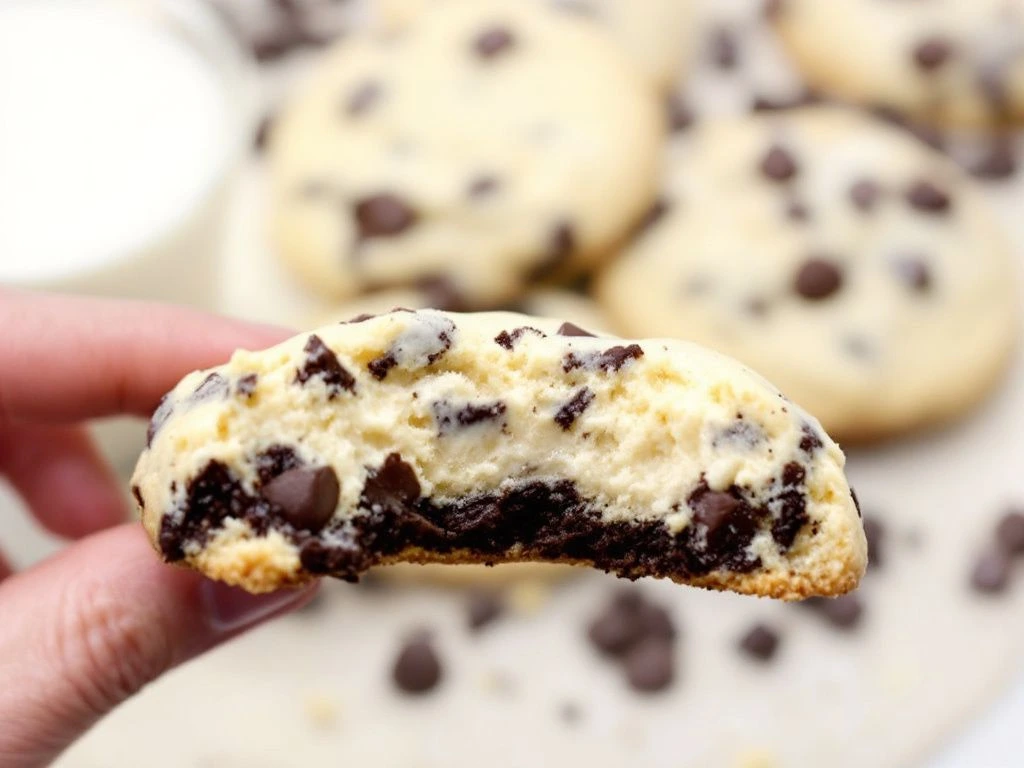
[[383, 215], [561, 244], [379, 366], [360, 318], [998, 162], [483, 608], [259, 141], [393, 486], [760, 642], [493, 41], [246, 385], [507, 339], [680, 116], [1010, 533], [818, 278], [449, 417], [650, 666], [570, 329], [612, 359], [810, 440], [275, 460], [843, 612], [626, 620], [441, 292], [991, 572], [913, 272], [482, 186], [874, 531], [724, 49], [778, 164], [927, 197], [417, 668], [160, 416], [932, 53], [362, 98], [797, 211], [713, 510], [864, 194], [575, 406], [213, 386], [323, 364], [307, 497]]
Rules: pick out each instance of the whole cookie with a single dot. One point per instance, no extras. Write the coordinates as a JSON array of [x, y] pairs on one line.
[[656, 34], [947, 61], [490, 145], [857, 268]]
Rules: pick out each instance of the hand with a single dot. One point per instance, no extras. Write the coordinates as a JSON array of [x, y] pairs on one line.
[[86, 629]]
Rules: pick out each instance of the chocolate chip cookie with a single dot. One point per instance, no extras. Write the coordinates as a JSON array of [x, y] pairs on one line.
[[436, 437]]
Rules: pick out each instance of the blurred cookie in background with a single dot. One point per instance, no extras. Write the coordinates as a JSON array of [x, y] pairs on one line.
[[474, 149], [944, 62], [656, 34], [858, 269], [274, 29]]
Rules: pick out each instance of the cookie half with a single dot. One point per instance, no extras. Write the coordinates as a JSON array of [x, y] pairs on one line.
[[855, 267], [489, 146], [435, 437]]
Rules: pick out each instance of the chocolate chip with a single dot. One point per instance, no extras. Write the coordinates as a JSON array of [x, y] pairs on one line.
[[323, 364], [998, 162], [680, 116], [307, 497], [507, 339], [449, 417], [259, 141], [913, 272], [864, 194], [874, 532], [137, 495], [275, 460], [818, 278], [1010, 533], [655, 213], [160, 416], [246, 385], [760, 642], [927, 197], [362, 98], [932, 53], [614, 632], [842, 612], [442, 293], [778, 164], [393, 486], [991, 572], [650, 666], [724, 48], [561, 244], [360, 318], [612, 359], [810, 440], [383, 215], [493, 41], [570, 329], [417, 668], [626, 620], [379, 366], [575, 406], [482, 186], [797, 211], [713, 510], [213, 386], [483, 608], [773, 9]]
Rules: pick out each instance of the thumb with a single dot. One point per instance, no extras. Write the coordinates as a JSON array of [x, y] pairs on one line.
[[88, 628]]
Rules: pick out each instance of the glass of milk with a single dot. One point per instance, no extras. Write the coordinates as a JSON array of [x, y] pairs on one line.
[[122, 124]]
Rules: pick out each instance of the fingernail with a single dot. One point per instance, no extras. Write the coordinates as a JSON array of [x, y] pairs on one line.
[[229, 608]]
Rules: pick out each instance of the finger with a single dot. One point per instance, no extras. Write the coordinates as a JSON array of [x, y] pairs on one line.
[[60, 476], [88, 628], [65, 358]]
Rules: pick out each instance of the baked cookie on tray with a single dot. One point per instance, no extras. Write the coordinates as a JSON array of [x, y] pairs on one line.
[[850, 264], [436, 437], [489, 146]]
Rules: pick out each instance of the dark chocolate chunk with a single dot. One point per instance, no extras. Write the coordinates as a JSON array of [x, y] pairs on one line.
[[791, 507], [442, 293], [1010, 533], [362, 98], [843, 612], [926, 197], [322, 363], [864, 194], [874, 532], [650, 665], [561, 243], [417, 669], [493, 41], [274, 461], [482, 186], [614, 632], [450, 417], [576, 405], [713, 509], [680, 116], [361, 318], [306, 497], [160, 416], [508, 339], [818, 278], [483, 608], [810, 440], [392, 487], [998, 162], [932, 53], [213, 386], [383, 215], [571, 329], [612, 359], [213, 495], [262, 135], [727, 525], [913, 272], [778, 164], [724, 49], [760, 642], [379, 366], [991, 572], [246, 385]]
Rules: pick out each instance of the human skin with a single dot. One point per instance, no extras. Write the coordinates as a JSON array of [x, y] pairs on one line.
[[87, 628]]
